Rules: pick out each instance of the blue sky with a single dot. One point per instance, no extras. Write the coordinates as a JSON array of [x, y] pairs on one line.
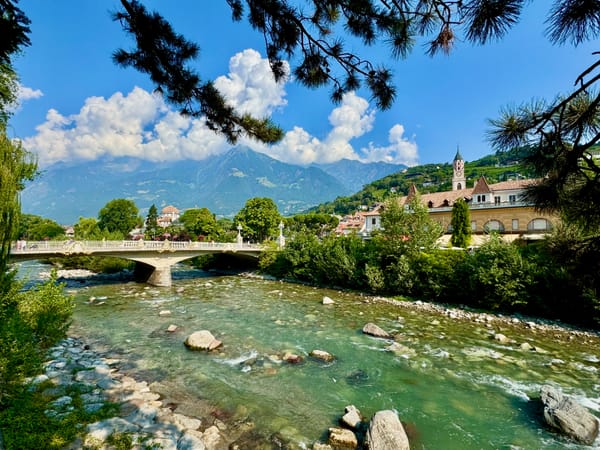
[[76, 104]]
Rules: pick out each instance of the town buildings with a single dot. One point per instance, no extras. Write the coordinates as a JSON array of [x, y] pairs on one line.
[[500, 207]]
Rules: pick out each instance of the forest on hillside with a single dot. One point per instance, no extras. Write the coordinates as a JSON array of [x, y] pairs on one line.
[[502, 166]]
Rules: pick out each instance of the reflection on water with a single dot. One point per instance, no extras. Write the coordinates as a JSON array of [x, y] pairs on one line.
[[452, 384]]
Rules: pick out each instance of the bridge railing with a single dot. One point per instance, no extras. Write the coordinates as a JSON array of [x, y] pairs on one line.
[[72, 246]]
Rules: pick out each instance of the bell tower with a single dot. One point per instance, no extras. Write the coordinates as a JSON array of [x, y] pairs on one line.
[[458, 177]]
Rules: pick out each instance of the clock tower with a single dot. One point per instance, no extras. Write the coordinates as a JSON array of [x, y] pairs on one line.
[[458, 177]]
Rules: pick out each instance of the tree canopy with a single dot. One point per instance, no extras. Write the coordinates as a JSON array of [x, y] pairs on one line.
[[259, 218], [120, 215], [461, 224]]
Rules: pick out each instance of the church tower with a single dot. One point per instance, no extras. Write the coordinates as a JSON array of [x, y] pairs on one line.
[[458, 177]]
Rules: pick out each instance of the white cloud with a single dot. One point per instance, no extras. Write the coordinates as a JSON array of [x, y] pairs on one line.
[[25, 93], [400, 150], [250, 85], [352, 119], [139, 124]]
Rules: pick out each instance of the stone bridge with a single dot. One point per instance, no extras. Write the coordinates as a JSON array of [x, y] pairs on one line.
[[156, 256]]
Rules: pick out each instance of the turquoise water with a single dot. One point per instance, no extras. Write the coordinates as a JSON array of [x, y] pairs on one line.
[[452, 385]]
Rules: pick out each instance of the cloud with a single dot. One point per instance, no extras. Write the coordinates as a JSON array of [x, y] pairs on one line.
[[250, 85], [25, 93], [400, 150], [352, 119], [139, 124]]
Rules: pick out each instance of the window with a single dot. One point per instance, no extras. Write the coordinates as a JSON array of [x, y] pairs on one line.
[[373, 221], [473, 225], [458, 186], [430, 204], [496, 200], [512, 198], [539, 225], [493, 225], [480, 198], [515, 224]]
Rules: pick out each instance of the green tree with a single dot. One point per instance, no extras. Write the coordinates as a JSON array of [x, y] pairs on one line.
[[200, 222], [119, 215], [37, 228], [87, 228], [461, 224], [317, 223], [152, 229], [407, 229], [259, 218]]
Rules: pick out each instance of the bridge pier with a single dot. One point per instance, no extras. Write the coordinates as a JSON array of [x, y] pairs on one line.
[[159, 275]]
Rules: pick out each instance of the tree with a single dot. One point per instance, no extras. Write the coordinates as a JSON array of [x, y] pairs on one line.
[[152, 222], [37, 228], [259, 218], [318, 223], [87, 228], [200, 222], [408, 229], [461, 224], [119, 215]]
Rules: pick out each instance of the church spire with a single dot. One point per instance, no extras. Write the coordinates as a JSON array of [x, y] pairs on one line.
[[458, 176]]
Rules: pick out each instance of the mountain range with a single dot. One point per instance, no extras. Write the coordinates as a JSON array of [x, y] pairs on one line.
[[222, 183]]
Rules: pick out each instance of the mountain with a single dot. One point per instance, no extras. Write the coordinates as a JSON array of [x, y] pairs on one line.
[[222, 183], [355, 174]]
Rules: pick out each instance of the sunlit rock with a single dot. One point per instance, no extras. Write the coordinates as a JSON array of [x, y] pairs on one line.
[[322, 355], [328, 301], [352, 418], [292, 358], [202, 340], [342, 439], [172, 328], [374, 330], [568, 416], [386, 432]]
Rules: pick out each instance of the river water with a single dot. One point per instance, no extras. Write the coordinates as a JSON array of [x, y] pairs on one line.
[[453, 385]]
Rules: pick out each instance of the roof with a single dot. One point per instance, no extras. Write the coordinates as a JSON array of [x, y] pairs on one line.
[[169, 209], [458, 156], [481, 186]]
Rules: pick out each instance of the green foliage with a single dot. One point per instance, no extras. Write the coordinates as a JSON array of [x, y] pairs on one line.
[[97, 264], [152, 228], [496, 276], [259, 219], [47, 311], [26, 426], [201, 222], [38, 228], [406, 230], [319, 224], [119, 215], [436, 275], [461, 224]]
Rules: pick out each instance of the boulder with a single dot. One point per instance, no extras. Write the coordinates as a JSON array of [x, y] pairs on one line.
[[374, 330], [568, 416], [342, 439], [322, 355], [352, 418], [501, 338], [202, 340], [292, 358], [328, 301], [172, 328], [386, 432]]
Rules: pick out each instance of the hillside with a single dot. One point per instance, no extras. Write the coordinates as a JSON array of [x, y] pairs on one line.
[[430, 178]]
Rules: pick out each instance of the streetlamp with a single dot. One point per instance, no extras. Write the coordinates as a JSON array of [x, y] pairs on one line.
[[280, 239], [239, 235]]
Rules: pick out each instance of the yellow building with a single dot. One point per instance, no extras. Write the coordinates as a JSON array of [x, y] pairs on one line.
[[500, 207]]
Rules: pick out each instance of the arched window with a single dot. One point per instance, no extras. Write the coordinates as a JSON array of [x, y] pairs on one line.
[[539, 225], [430, 204], [458, 186], [446, 202], [493, 225]]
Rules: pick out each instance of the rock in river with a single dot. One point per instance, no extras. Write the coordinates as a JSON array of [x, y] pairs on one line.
[[386, 432], [568, 416], [202, 340], [376, 331], [322, 355]]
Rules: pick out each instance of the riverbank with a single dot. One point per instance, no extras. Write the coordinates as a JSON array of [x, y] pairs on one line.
[[245, 360]]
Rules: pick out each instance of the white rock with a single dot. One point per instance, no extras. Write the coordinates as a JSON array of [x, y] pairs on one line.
[[328, 301]]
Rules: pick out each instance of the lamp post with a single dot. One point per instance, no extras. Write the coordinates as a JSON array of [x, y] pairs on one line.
[[239, 235], [280, 239]]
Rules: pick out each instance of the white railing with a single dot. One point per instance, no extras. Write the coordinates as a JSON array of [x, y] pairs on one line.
[[72, 246]]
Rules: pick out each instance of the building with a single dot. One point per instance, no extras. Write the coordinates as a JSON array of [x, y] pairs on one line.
[[168, 215], [500, 207]]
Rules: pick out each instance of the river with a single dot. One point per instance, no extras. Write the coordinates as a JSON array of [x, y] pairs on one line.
[[453, 385]]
